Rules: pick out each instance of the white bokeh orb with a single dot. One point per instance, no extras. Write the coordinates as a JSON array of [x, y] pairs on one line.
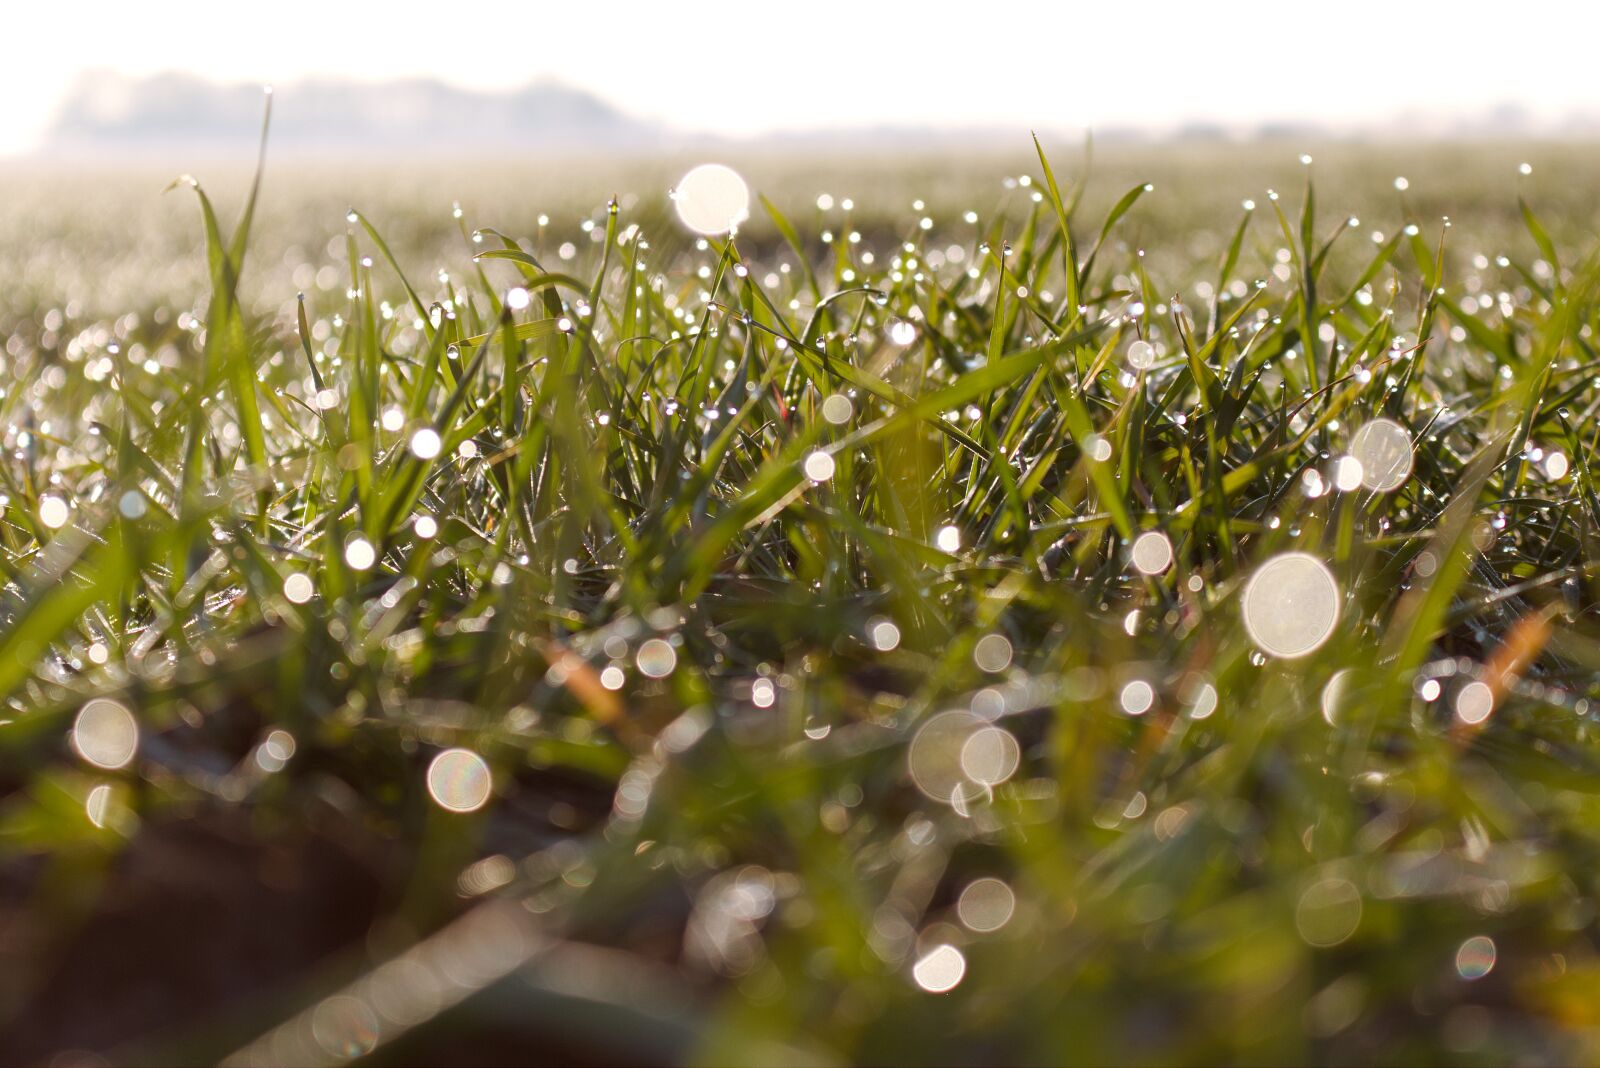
[[712, 199], [1291, 605]]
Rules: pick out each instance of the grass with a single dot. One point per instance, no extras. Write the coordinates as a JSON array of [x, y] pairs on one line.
[[771, 755]]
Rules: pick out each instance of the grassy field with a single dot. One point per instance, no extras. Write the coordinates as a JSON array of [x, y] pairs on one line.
[[1021, 618]]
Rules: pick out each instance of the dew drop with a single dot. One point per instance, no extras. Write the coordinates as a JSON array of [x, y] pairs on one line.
[[359, 554], [1290, 605], [298, 588], [425, 444], [818, 466], [656, 658], [459, 780], [105, 734], [837, 409], [986, 905], [1474, 703], [53, 512], [1151, 553], [1476, 957], [1383, 448], [712, 199], [940, 970]]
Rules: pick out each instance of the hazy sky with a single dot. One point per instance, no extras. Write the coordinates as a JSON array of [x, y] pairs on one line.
[[744, 66]]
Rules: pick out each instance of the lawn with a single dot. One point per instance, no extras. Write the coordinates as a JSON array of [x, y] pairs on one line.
[[1069, 608]]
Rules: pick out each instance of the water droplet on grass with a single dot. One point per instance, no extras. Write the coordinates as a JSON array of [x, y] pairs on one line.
[[298, 588], [992, 653], [990, 756], [763, 694], [1474, 703], [359, 554], [837, 409], [818, 466], [53, 512], [656, 658], [1383, 448], [425, 444], [1347, 474], [1476, 957], [940, 970], [986, 905], [1136, 697], [98, 804], [459, 780], [712, 199], [935, 757], [1151, 553], [1290, 605], [1333, 696], [883, 634], [105, 734], [1141, 355]]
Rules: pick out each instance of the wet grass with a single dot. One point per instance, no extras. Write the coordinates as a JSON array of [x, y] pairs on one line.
[[774, 601]]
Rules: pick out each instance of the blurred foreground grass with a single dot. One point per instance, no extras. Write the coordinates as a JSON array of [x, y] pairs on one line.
[[832, 645]]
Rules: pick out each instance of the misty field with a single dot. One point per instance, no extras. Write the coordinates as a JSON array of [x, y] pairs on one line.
[[1129, 606]]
